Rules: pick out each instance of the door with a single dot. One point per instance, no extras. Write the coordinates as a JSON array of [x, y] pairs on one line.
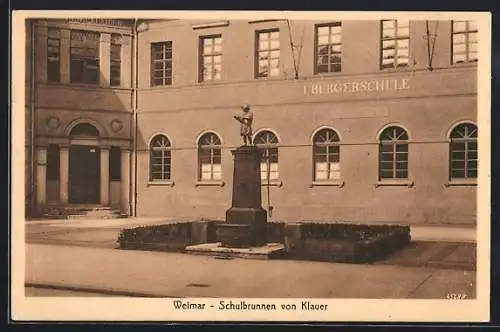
[[84, 174]]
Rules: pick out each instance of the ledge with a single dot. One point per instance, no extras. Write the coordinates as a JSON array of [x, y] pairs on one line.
[[169, 183], [461, 183], [272, 183], [263, 21], [337, 183], [210, 183], [395, 183], [210, 25]]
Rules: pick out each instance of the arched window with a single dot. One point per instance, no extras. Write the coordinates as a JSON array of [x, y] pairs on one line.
[[393, 153], [84, 129], [326, 155], [160, 160], [463, 151], [267, 142], [209, 157]]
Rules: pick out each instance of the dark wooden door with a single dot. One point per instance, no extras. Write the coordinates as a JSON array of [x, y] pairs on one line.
[[84, 174]]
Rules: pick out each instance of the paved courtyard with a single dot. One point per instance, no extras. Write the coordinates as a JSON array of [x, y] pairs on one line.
[[80, 258], [159, 274]]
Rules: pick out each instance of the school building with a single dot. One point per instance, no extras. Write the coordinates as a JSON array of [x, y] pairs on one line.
[[363, 121]]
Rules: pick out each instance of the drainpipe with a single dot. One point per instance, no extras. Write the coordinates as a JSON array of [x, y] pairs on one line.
[[32, 194], [134, 116]]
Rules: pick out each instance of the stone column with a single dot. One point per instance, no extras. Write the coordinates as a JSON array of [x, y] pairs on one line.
[[65, 55], [125, 180], [41, 176], [64, 173], [104, 196], [105, 58], [41, 53]]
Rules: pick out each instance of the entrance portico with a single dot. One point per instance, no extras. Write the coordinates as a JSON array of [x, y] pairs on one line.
[[83, 171]]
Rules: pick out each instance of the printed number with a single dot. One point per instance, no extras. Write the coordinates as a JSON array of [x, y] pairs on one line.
[[456, 296]]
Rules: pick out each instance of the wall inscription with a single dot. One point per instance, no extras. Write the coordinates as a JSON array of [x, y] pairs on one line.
[[357, 86]]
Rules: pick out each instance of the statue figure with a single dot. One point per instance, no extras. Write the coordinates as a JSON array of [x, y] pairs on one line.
[[246, 120]]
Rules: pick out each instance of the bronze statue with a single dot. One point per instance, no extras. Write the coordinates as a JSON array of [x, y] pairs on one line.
[[246, 120]]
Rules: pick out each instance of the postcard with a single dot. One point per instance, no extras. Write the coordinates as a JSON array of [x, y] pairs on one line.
[[250, 166]]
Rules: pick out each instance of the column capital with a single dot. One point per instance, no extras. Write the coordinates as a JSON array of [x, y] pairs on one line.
[[104, 147], [105, 37], [64, 146]]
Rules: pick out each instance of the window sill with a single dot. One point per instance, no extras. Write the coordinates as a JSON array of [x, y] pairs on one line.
[[210, 183], [88, 86], [169, 183], [272, 183], [465, 64], [328, 74], [337, 183], [270, 78], [395, 183], [461, 183], [397, 69]]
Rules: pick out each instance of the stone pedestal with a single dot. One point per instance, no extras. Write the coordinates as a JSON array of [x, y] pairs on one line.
[[246, 220]]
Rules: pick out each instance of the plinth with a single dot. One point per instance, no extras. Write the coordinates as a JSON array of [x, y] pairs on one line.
[[246, 220]]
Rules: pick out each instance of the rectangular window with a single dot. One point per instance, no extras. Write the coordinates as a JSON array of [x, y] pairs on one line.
[[328, 48], [267, 53], [210, 58], [115, 164], [393, 160], [161, 63], [85, 57], [326, 163], [53, 55], [116, 60], [210, 164], [53, 162], [395, 43], [272, 154], [464, 41]]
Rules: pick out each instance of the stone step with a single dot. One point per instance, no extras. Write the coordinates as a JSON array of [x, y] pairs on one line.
[[104, 216], [84, 212]]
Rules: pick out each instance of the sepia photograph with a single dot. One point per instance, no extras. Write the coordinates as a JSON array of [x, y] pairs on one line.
[[252, 166]]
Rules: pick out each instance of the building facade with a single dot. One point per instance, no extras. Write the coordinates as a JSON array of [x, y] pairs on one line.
[[363, 121]]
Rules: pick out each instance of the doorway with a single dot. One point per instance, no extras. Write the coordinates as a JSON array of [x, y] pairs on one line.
[[84, 174]]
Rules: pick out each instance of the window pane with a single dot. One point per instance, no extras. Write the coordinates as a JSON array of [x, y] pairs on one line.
[[274, 63], [401, 147], [389, 44], [386, 165], [274, 54], [403, 31], [216, 155], [459, 48], [401, 157], [458, 173], [323, 31], [459, 26], [472, 155], [401, 174], [386, 174], [473, 37], [472, 173], [336, 39]]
